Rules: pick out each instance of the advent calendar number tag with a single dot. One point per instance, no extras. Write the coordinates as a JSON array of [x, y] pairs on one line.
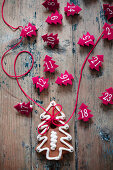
[[84, 113], [107, 97], [41, 82]]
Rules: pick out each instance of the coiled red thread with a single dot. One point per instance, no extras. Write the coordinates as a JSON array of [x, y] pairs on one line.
[[17, 76]]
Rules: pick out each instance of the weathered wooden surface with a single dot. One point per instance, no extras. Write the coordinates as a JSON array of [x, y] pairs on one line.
[[93, 141]]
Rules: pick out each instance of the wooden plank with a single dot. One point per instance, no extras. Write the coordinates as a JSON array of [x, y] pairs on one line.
[[14, 129], [20, 140], [62, 95]]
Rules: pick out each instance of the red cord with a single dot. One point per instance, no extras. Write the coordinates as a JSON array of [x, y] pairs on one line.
[[78, 84], [17, 76], [31, 68], [52, 120], [81, 76], [15, 28], [4, 56], [16, 59]]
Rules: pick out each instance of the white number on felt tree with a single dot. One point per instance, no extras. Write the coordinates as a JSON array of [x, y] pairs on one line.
[[51, 40], [64, 78], [41, 82], [107, 97], [84, 113], [54, 17], [108, 30], [51, 3]]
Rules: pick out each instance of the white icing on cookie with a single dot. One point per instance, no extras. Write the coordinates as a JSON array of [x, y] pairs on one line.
[[68, 138], [62, 129], [53, 140], [44, 116], [68, 147]]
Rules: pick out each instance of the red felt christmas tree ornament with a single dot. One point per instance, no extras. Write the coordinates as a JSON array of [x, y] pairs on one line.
[[65, 79], [108, 31], [107, 97], [72, 9], [96, 62], [108, 11], [40, 83], [28, 31], [51, 5], [84, 113], [51, 39], [55, 18], [23, 108], [49, 64], [86, 40]]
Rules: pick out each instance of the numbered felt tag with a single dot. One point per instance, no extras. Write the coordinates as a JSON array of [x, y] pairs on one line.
[[52, 5], [108, 32], [55, 18], [96, 62], [108, 10], [24, 108], [71, 9], [65, 79], [28, 31], [84, 113], [86, 40], [51, 39], [107, 97], [49, 64], [40, 83]]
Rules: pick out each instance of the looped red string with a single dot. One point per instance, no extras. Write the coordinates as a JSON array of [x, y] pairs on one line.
[[15, 61], [18, 76], [52, 120], [52, 117]]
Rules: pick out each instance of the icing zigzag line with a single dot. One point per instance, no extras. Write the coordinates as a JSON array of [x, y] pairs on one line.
[[44, 116], [44, 138], [62, 139], [68, 137]]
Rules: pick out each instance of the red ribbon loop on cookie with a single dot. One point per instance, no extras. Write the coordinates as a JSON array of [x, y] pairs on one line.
[[51, 120]]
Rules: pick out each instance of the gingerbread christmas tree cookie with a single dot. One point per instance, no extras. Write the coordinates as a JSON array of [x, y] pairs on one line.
[[53, 140]]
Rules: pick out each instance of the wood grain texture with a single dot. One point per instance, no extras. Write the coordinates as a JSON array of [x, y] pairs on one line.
[[93, 141]]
